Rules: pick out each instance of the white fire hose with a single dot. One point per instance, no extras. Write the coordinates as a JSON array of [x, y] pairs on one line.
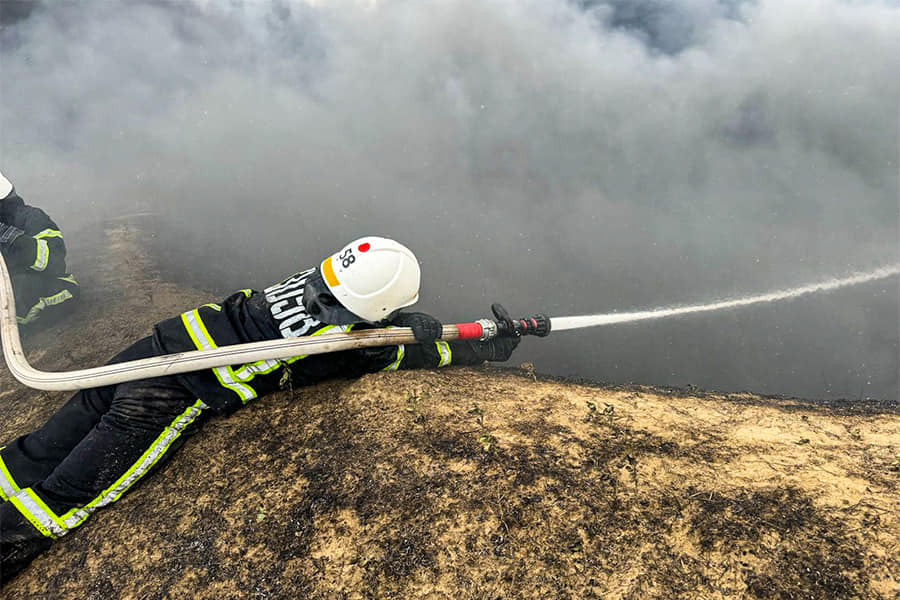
[[483, 329], [183, 362]]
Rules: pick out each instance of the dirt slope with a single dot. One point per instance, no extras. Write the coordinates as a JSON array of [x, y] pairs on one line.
[[472, 483]]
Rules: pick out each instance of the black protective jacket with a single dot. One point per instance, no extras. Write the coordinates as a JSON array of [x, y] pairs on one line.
[[36, 260], [276, 312]]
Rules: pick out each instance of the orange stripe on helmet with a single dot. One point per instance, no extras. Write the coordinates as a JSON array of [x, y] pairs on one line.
[[328, 273]]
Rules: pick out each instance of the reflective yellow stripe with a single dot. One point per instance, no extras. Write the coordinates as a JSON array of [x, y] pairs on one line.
[[443, 349], [228, 379], [200, 326], [43, 256], [48, 523], [49, 233], [203, 341], [157, 450], [69, 278], [8, 485], [188, 321], [251, 370], [38, 514], [213, 306], [247, 292], [401, 352], [326, 329], [262, 367], [43, 303]]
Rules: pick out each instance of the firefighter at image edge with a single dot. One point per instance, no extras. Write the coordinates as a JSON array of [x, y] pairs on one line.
[[35, 254], [104, 440]]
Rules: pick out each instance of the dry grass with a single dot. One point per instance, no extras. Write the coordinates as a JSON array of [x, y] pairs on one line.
[[477, 483]]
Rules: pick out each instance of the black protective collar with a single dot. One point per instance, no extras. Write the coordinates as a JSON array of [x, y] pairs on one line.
[[12, 202], [321, 304]]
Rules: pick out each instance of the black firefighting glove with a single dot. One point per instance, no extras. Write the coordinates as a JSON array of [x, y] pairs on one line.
[[425, 327], [498, 349], [9, 234]]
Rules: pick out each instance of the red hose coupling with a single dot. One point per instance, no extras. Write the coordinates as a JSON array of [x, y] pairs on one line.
[[469, 331]]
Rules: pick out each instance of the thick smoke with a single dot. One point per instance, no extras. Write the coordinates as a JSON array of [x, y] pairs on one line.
[[566, 157]]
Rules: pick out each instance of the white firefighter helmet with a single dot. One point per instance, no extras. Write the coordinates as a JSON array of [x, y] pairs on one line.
[[5, 187], [373, 277]]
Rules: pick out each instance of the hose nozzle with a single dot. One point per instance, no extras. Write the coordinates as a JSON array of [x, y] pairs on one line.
[[538, 325]]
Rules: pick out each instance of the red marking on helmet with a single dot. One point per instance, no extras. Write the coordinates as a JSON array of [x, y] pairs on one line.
[[364, 247]]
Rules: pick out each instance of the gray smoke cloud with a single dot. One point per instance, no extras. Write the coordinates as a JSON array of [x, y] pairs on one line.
[[564, 157]]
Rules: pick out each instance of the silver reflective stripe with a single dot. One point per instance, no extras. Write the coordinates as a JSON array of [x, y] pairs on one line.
[[43, 256], [37, 513], [43, 303], [251, 370], [75, 517], [198, 334], [224, 375], [6, 490], [444, 349], [203, 341], [401, 352], [8, 485], [48, 233], [264, 367]]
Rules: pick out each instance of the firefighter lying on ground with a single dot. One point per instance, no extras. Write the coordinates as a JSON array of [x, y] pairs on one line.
[[100, 443], [35, 253]]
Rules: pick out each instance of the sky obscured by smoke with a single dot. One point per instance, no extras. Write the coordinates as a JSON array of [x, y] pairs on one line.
[[564, 157]]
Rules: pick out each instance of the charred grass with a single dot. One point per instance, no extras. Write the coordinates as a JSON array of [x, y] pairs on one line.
[[524, 519], [463, 483]]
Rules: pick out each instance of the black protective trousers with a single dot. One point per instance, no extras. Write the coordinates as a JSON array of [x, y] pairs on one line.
[[43, 299], [89, 453]]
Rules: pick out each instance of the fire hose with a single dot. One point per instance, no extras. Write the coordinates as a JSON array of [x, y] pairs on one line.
[[482, 329], [197, 360]]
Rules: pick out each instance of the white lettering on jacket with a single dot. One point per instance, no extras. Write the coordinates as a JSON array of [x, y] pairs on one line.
[[286, 305]]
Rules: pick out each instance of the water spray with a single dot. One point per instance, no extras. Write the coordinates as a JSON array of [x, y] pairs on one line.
[[563, 323], [483, 329]]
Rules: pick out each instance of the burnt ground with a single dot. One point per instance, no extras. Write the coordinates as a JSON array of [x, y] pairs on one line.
[[470, 483]]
